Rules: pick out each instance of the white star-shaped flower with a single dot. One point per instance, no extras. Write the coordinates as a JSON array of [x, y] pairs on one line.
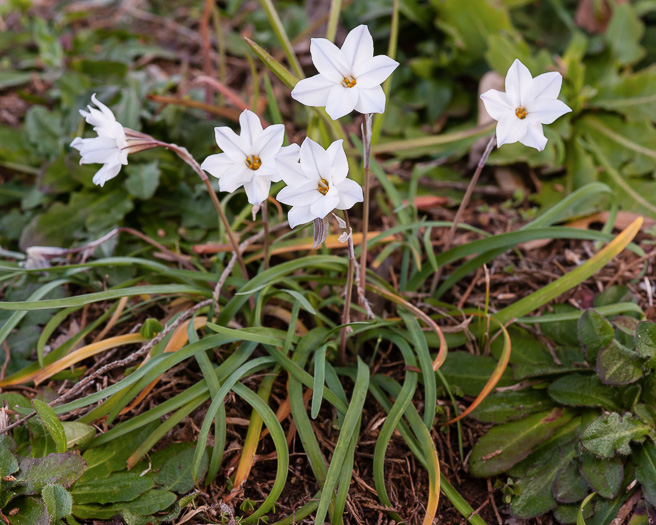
[[349, 78], [527, 104], [249, 159], [112, 145], [318, 184]]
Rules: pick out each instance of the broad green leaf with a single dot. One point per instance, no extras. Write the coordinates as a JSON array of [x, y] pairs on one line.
[[584, 391], [43, 129], [471, 372], [120, 486], [52, 423], [595, 333], [31, 511], [536, 487], [569, 485], [617, 365], [613, 433], [175, 471], [63, 469], [58, 502], [624, 33], [567, 514], [646, 471], [645, 339], [502, 407], [8, 462], [567, 359], [148, 503], [603, 475], [632, 94], [505, 445], [142, 180], [78, 434], [469, 24]]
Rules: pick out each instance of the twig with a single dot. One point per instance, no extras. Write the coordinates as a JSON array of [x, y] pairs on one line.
[[463, 206], [7, 358]]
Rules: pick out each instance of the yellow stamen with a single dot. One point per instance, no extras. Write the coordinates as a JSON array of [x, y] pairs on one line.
[[253, 162], [323, 186], [349, 82], [521, 113]]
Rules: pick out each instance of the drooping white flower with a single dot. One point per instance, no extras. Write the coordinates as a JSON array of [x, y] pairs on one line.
[[112, 145], [318, 184], [249, 159], [349, 78], [527, 104]]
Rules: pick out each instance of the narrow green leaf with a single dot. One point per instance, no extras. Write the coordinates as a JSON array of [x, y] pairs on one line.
[[579, 517], [351, 421], [319, 380], [646, 471]]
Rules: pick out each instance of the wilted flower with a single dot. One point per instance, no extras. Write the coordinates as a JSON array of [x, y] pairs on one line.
[[318, 184], [349, 78], [527, 104], [112, 145], [249, 159]]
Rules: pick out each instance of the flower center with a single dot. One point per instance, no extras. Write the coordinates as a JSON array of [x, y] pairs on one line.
[[349, 82], [253, 162], [521, 113], [323, 186]]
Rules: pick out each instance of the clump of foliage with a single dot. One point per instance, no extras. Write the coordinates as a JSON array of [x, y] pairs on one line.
[[581, 420], [52, 470]]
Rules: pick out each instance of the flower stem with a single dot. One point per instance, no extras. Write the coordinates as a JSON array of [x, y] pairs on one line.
[[265, 226], [366, 146], [463, 205], [187, 157], [346, 314]]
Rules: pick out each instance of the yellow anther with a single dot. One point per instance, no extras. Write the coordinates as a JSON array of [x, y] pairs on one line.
[[349, 82], [323, 186], [253, 162], [521, 113]]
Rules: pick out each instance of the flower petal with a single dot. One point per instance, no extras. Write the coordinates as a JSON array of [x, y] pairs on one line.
[[299, 215], [314, 160], [545, 110], [341, 101], [547, 85], [497, 104], [510, 129], [234, 179], [323, 206], [268, 143], [371, 100], [358, 47], [96, 150], [302, 195], [313, 91], [327, 58], [231, 144], [534, 137], [290, 171], [337, 159], [107, 172], [374, 71], [257, 190], [251, 127], [219, 165], [519, 84], [350, 192]]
